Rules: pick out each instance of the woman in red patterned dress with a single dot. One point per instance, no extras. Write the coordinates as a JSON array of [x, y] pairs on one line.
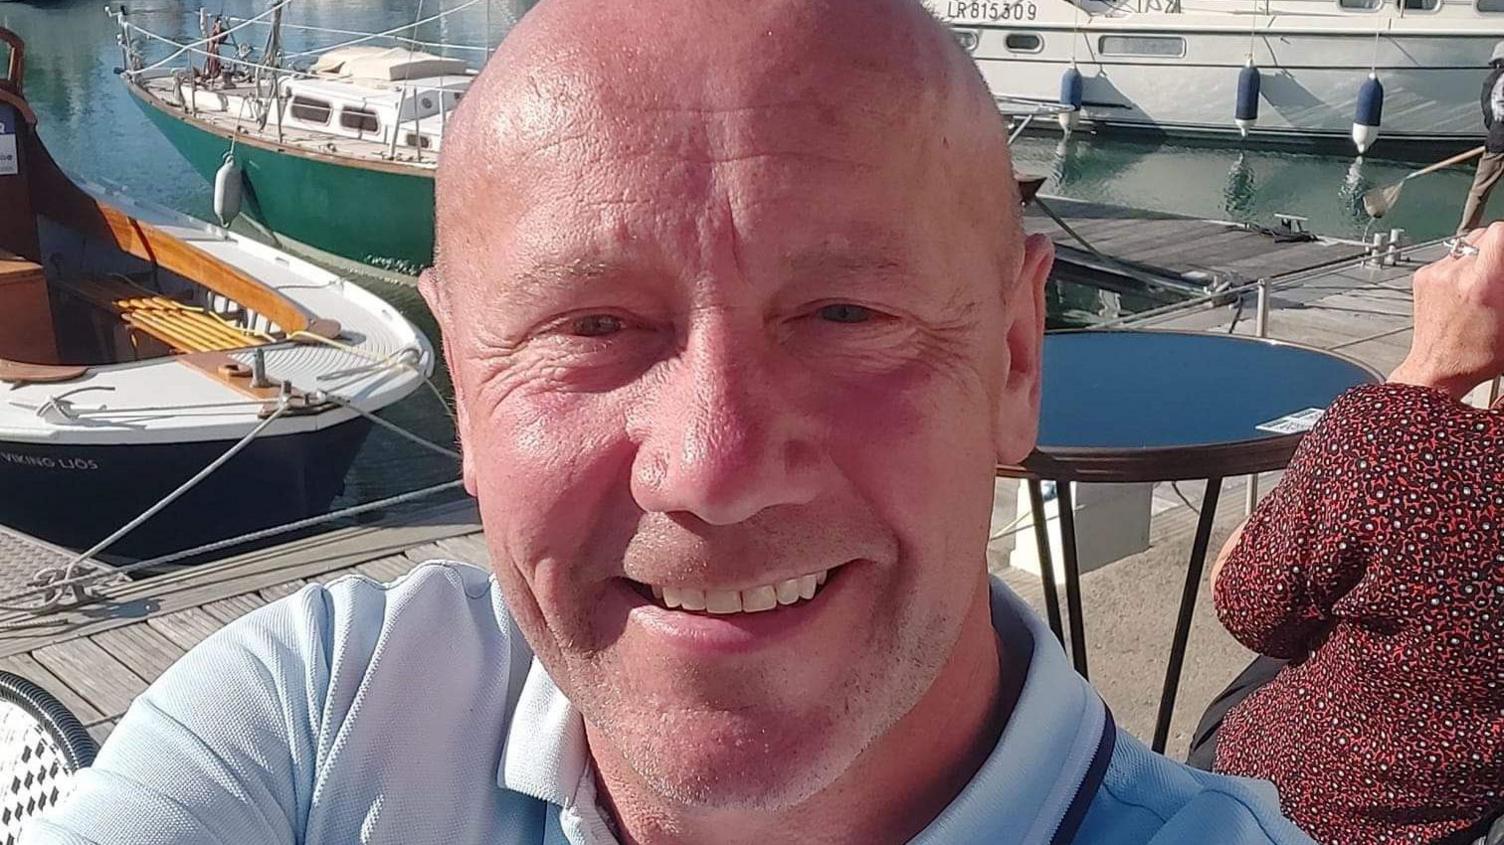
[[1377, 567]]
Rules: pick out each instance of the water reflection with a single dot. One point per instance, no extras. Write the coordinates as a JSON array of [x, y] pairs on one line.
[[1240, 194], [1250, 185]]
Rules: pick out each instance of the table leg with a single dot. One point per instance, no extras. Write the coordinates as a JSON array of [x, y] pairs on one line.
[[1187, 608], [1072, 575], [1046, 565]]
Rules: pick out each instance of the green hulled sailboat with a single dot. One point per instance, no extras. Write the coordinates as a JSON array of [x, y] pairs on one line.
[[336, 160]]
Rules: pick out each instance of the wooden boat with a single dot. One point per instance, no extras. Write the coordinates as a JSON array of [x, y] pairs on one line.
[[138, 346]]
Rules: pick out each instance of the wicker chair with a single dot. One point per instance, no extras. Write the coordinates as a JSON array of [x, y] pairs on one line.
[[42, 747]]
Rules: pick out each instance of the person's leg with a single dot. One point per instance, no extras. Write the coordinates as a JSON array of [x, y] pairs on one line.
[[1203, 750], [1490, 169]]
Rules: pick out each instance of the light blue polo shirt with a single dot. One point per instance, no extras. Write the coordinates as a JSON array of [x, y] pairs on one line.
[[415, 713]]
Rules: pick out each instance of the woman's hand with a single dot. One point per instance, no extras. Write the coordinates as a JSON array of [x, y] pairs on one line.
[[1459, 319]]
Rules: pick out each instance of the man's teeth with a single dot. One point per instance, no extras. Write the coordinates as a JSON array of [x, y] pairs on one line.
[[753, 600]]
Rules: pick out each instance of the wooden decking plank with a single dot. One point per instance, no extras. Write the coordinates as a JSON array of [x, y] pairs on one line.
[[101, 730], [1172, 253], [470, 548], [229, 609], [281, 591], [187, 627], [27, 667], [146, 651], [100, 679], [329, 577], [338, 550], [388, 568]]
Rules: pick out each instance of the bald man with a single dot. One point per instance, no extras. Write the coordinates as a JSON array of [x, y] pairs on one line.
[[740, 318]]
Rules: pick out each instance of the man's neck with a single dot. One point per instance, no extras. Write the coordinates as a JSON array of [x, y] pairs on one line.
[[893, 790]]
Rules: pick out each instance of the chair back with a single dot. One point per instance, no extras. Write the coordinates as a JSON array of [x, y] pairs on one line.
[[42, 747]]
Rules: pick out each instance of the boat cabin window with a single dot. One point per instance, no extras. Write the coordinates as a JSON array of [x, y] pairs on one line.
[[1491, 6], [416, 140], [1024, 42], [310, 110], [361, 120], [1141, 45], [1419, 5], [1360, 5]]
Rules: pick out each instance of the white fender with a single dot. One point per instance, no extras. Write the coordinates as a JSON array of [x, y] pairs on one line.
[[1364, 136], [227, 191]]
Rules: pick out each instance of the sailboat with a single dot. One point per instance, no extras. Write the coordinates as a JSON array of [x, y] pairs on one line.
[[335, 159]]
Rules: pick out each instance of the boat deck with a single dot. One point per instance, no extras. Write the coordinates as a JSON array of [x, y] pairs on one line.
[[98, 658], [234, 116]]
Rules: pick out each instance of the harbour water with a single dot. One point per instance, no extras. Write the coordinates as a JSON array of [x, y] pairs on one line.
[[96, 131]]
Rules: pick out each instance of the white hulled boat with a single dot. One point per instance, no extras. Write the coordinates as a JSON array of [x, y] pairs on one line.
[[1179, 67], [139, 346]]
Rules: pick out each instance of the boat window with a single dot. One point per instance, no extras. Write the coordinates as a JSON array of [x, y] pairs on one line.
[[361, 120], [310, 110], [1142, 45], [1024, 42], [1491, 6], [419, 141], [1419, 5], [1360, 5]]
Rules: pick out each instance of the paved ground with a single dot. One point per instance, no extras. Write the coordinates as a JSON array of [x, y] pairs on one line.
[[1129, 609]]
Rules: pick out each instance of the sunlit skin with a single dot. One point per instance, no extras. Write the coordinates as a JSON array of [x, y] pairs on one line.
[[731, 294]]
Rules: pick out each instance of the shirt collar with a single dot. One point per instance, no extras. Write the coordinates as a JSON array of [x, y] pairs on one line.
[[1020, 794]]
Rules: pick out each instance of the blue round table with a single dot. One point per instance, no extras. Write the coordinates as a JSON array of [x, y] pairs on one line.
[[1151, 406]]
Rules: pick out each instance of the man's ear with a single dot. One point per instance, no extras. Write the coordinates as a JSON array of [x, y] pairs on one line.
[[437, 296], [1018, 414]]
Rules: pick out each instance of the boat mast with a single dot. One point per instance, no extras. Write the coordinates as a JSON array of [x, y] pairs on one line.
[[271, 58]]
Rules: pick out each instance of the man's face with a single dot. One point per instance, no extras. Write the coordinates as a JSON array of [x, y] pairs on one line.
[[735, 351]]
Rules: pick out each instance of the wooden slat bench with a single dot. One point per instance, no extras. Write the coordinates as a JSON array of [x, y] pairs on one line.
[[184, 328]]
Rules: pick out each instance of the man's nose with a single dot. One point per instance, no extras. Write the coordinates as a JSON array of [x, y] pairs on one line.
[[725, 437]]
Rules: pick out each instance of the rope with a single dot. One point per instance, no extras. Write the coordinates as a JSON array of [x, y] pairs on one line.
[[71, 566], [355, 510], [387, 33], [56, 581], [190, 46], [333, 31], [395, 359], [394, 428]]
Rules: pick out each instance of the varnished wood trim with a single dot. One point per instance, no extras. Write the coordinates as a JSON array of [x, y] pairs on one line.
[[19, 103], [54, 195]]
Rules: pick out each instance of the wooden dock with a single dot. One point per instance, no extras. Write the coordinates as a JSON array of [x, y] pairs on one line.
[[1120, 248], [97, 658]]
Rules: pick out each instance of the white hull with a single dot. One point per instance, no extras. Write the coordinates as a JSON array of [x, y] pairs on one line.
[[1431, 65]]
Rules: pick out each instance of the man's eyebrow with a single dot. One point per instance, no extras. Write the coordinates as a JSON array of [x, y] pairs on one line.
[[827, 262], [550, 275]]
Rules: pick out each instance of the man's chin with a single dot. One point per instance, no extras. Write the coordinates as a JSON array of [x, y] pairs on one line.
[[739, 763]]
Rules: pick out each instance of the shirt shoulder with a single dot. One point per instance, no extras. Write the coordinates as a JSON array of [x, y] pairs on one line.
[[312, 720], [1149, 799]]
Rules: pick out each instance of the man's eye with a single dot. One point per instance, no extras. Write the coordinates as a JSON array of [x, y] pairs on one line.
[[846, 313], [594, 325]]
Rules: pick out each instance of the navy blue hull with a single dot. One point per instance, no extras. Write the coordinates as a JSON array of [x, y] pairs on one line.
[[75, 496]]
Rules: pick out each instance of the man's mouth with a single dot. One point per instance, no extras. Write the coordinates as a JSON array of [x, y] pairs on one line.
[[758, 599]]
